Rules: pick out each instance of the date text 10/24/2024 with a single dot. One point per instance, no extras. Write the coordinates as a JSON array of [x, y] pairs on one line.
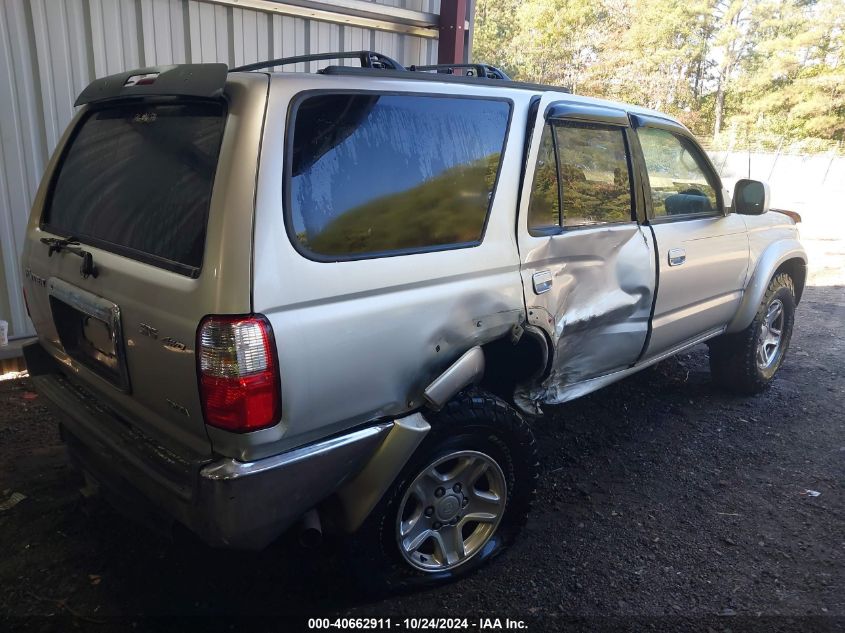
[[418, 624]]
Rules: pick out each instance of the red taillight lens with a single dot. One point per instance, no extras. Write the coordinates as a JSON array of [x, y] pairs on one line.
[[238, 373]]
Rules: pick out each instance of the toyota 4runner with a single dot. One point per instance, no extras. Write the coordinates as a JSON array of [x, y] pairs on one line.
[[267, 298]]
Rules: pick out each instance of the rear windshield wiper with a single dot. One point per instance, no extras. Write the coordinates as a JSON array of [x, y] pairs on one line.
[[71, 245], [56, 244]]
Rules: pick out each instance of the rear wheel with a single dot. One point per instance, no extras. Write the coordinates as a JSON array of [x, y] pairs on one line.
[[746, 362], [460, 500]]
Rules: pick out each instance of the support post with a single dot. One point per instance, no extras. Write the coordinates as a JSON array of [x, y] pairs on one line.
[[453, 16]]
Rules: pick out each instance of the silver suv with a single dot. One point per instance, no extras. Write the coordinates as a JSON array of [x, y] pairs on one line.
[[336, 299]]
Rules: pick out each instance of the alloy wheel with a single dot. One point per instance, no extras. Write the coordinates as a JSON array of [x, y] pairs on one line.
[[451, 510], [771, 335]]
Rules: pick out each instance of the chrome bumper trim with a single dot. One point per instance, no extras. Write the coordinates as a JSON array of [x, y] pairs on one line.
[[242, 505], [229, 468]]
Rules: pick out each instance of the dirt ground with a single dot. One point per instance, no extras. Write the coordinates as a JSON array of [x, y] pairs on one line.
[[664, 504]]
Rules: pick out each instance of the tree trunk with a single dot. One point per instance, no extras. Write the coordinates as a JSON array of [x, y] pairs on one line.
[[720, 108]]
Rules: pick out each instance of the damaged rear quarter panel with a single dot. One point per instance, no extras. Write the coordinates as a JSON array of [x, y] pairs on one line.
[[360, 340]]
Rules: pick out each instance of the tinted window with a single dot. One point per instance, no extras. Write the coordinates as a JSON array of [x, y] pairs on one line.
[[679, 184], [595, 182], [373, 174], [139, 177], [544, 209]]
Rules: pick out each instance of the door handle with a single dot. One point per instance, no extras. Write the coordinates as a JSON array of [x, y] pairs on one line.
[[542, 281], [677, 256]]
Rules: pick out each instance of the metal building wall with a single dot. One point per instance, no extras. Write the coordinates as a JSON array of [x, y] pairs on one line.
[[51, 49]]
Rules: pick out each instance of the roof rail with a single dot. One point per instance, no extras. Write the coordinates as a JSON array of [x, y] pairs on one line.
[[375, 64], [368, 59], [438, 77], [474, 70]]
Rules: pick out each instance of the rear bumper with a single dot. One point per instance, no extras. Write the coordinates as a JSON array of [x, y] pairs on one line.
[[226, 502], [250, 504]]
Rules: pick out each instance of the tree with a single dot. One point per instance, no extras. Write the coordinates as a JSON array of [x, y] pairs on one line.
[[792, 82], [734, 40], [494, 31], [659, 56], [776, 67]]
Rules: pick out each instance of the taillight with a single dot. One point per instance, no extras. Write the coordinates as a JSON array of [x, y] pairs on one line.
[[238, 373]]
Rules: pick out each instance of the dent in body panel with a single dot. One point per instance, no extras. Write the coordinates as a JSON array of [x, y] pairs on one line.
[[597, 311], [372, 357], [359, 340]]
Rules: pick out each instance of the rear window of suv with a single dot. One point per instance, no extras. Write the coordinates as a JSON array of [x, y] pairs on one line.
[[136, 179], [375, 174]]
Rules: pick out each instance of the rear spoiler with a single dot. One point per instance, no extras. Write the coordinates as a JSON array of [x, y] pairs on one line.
[[182, 80]]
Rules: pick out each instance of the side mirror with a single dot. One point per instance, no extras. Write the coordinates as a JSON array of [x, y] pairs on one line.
[[751, 197]]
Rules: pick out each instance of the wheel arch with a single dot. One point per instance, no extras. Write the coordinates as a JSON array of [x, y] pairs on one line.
[[782, 256], [796, 268], [509, 364], [496, 367]]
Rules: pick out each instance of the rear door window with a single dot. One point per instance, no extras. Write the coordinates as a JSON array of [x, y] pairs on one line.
[[585, 166], [595, 182], [375, 174], [137, 179]]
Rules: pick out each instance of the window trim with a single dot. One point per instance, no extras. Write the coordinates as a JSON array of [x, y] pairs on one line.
[[641, 183], [287, 206], [150, 259], [688, 140], [530, 124], [544, 230], [581, 122], [586, 113]]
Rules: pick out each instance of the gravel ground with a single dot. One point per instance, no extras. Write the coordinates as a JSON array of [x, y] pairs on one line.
[[664, 505]]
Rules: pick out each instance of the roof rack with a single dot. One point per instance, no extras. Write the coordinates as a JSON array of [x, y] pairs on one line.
[[368, 59], [473, 70], [375, 64]]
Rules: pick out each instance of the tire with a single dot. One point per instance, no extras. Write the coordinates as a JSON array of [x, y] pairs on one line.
[[738, 361], [476, 431]]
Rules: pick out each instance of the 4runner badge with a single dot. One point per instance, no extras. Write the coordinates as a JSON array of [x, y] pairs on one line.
[[35, 278], [172, 344]]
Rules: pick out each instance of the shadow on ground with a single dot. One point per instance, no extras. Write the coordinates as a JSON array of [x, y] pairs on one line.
[[660, 498]]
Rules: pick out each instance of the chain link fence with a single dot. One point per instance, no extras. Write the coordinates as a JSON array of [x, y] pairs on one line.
[[798, 172], [806, 176]]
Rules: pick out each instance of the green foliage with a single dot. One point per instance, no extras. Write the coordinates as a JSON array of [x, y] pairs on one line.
[[744, 68], [595, 182], [588, 202], [449, 208], [594, 170]]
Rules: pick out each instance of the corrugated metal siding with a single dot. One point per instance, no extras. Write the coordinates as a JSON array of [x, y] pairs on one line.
[[51, 49]]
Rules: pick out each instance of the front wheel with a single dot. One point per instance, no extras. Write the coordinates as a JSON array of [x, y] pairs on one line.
[[459, 501], [746, 362]]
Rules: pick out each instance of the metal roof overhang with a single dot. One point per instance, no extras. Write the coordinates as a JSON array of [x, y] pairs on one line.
[[352, 12]]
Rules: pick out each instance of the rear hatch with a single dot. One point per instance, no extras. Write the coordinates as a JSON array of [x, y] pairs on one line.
[[142, 226]]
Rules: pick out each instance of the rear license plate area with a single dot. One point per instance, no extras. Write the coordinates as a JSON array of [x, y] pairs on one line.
[[90, 331]]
